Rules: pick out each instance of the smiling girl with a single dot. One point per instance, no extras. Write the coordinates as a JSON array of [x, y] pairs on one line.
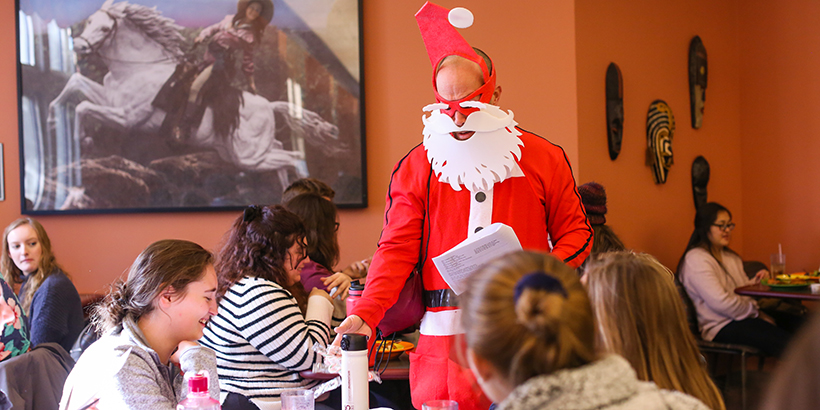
[[46, 292], [151, 324]]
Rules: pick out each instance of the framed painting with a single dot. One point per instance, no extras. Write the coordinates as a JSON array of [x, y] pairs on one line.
[[187, 105]]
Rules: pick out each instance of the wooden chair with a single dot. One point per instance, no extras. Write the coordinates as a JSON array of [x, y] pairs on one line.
[[714, 348]]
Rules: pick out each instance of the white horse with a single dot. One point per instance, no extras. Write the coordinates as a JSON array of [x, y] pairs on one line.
[[141, 49]]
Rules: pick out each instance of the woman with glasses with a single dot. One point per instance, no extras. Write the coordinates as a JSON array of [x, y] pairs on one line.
[[710, 271], [267, 324], [319, 216]]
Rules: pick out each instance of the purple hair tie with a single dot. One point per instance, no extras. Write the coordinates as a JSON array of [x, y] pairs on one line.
[[539, 280]]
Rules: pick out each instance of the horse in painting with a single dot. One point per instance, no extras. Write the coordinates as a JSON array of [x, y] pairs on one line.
[[141, 49]]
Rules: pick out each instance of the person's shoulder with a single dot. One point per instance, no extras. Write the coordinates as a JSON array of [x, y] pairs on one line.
[[675, 400], [412, 158], [696, 254], [58, 283], [252, 286], [539, 149]]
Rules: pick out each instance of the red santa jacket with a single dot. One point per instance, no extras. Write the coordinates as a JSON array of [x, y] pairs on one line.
[[544, 201]]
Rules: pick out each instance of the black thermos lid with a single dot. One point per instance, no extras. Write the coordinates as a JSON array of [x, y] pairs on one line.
[[356, 285], [354, 342]]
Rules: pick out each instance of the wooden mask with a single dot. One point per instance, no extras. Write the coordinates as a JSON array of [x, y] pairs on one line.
[[697, 81], [614, 110], [660, 127], [700, 179]]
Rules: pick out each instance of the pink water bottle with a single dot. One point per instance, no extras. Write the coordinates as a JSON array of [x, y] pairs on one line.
[[198, 397], [355, 292]]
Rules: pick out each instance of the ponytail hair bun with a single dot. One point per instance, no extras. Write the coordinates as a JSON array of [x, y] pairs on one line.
[[528, 314]]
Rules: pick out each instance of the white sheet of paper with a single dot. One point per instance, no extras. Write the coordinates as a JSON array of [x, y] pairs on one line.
[[460, 262]]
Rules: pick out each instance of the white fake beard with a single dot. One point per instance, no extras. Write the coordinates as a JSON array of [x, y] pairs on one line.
[[488, 157]]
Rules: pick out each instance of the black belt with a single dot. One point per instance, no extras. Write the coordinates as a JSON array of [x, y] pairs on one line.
[[440, 298]]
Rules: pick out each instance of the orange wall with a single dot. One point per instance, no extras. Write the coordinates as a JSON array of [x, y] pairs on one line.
[[649, 40], [779, 101], [535, 55]]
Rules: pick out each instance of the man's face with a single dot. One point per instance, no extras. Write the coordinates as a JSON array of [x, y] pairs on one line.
[[457, 79]]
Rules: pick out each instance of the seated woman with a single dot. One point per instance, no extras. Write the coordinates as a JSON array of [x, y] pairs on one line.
[[593, 196], [357, 269], [641, 317], [319, 217], [531, 342], [46, 292], [710, 271], [151, 324], [13, 324], [267, 325]]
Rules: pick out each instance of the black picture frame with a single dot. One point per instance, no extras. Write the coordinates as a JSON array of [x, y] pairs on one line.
[[91, 151]]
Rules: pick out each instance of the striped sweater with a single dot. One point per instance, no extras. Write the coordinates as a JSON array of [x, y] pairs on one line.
[[262, 341]]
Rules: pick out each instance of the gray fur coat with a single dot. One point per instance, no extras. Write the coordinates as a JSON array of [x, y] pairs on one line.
[[609, 383]]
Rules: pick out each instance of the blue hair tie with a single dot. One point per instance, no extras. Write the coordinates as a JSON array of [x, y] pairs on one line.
[[538, 280]]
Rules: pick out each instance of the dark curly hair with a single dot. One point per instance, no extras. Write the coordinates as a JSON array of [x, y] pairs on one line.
[[319, 216], [257, 245]]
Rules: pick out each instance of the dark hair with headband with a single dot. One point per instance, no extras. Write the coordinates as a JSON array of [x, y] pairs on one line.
[[528, 315]]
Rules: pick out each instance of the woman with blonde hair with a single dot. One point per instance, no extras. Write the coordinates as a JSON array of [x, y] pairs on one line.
[[640, 316], [46, 292], [531, 342]]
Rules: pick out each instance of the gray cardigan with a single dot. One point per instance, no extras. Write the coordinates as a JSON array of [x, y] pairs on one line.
[[609, 383], [123, 372]]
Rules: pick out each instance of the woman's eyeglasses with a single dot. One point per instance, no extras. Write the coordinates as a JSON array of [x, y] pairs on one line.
[[724, 227]]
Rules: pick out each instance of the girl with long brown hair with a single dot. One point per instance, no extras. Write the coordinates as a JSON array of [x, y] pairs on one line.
[[46, 292], [641, 317], [320, 219]]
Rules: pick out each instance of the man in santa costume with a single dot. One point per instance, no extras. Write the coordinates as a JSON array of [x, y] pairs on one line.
[[475, 167]]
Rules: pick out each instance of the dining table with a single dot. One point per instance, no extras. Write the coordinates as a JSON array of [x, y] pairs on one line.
[[395, 369], [763, 291]]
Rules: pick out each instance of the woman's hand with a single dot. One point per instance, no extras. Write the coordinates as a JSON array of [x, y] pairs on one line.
[[319, 292], [358, 269], [182, 347], [341, 282], [760, 275]]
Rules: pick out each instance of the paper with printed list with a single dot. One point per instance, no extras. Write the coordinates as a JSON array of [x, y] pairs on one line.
[[460, 262]]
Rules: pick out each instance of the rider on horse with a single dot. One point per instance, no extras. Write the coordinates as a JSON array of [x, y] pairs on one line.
[[211, 87]]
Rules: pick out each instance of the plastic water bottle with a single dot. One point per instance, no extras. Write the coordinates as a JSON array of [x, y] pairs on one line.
[[198, 396], [355, 391]]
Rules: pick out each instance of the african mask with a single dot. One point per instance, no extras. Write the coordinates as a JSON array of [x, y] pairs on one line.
[[697, 81], [700, 179], [614, 109], [660, 126]]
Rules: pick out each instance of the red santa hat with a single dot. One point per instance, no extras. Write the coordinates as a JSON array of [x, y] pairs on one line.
[[438, 30]]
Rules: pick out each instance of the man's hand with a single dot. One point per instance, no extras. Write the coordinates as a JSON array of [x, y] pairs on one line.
[[352, 324]]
